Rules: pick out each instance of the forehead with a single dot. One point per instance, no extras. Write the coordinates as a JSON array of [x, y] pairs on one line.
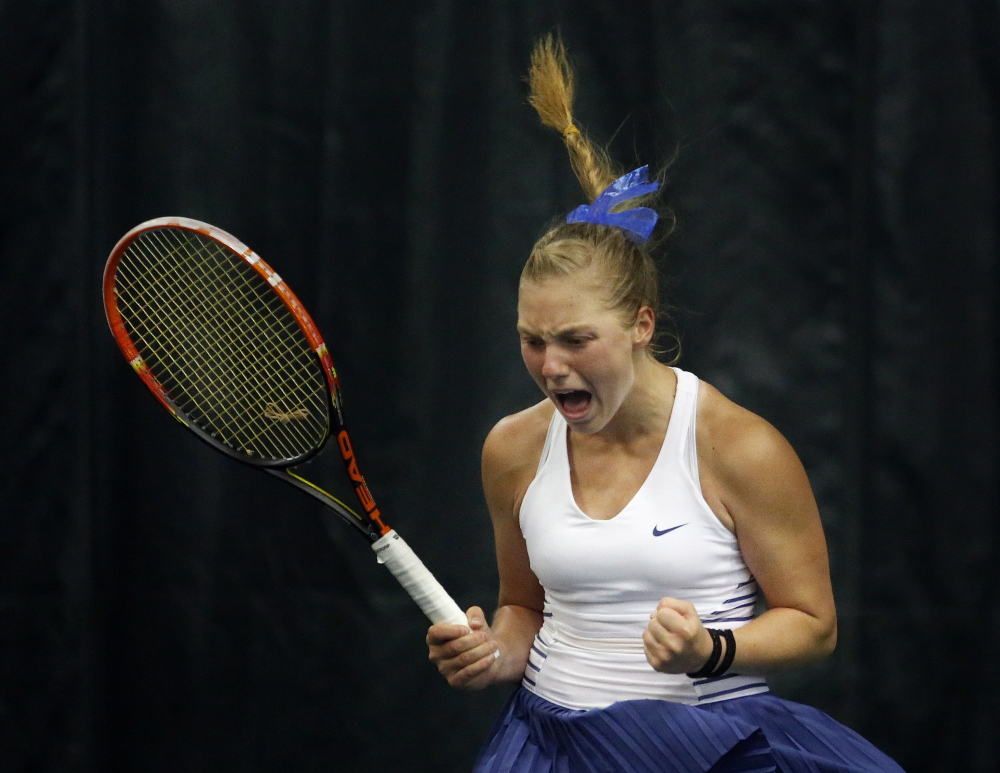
[[560, 302]]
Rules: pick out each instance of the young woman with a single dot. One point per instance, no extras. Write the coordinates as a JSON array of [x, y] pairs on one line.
[[639, 515]]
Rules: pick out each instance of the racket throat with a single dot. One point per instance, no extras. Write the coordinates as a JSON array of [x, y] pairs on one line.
[[360, 487]]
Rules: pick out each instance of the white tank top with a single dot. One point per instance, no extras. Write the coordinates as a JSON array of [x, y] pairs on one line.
[[603, 579]]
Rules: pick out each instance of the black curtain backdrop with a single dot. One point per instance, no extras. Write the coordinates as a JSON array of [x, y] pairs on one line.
[[163, 608]]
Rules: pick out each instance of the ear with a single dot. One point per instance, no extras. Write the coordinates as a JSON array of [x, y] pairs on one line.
[[643, 327]]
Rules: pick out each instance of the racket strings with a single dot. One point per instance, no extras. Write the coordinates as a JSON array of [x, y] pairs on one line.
[[228, 332], [219, 322], [192, 313], [281, 324], [223, 322], [192, 371], [199, 367], [222, 343]]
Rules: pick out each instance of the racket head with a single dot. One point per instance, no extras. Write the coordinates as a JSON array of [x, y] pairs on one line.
[[221, 341]]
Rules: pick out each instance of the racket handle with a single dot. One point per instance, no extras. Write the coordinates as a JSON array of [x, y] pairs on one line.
[[416, 578]]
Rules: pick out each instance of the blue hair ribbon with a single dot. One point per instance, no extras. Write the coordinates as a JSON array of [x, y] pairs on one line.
[[637, 222]]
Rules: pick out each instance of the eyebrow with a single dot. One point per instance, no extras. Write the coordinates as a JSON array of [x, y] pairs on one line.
[[566, 332]]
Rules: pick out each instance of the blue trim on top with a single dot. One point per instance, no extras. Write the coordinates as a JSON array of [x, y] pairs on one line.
[[712, 680], [732, 690], [742, 598]]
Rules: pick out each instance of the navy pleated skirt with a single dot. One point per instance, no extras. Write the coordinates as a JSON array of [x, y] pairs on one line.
[[754, 734]]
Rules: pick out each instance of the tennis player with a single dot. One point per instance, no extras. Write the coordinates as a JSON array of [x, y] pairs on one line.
[[641, 519]]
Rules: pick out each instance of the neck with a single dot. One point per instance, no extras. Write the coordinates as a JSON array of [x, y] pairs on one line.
[[646, 409]]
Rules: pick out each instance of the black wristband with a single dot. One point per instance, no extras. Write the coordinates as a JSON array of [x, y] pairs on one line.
[[713, 659], [727, 659]]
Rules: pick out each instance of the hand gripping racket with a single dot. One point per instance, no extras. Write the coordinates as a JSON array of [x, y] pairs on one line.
[[226, 347]]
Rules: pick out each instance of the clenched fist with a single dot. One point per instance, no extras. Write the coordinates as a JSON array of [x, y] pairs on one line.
[[675, 641]]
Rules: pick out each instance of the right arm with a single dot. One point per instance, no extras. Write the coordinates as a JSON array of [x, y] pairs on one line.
[[479, 655]]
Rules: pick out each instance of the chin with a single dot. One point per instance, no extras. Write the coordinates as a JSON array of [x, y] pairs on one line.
[[588, 425]]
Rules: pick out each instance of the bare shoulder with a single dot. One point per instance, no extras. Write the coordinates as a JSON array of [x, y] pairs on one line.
[[740, 452], [511, 453], [754, 482]]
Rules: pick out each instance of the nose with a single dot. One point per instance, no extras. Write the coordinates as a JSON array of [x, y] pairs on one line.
[[553, 366]]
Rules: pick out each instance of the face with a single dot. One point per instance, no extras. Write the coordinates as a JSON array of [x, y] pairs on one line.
[[580, 352]]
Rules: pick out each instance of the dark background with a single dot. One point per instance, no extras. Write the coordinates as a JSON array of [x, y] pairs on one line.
[[163, 608]]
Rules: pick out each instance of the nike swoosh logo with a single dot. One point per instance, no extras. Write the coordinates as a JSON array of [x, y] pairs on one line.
[[657, 533]]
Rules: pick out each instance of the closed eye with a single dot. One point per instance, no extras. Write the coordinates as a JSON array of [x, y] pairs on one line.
[[576, 340]]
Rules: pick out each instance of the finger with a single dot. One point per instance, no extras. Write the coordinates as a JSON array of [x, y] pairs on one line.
[[658, 656], [471, 672], [662, 641], [443, 633], [682, 607], [671, 620], [476, 617], [467, 658], [665, 654], [456, 647], [650, 642]]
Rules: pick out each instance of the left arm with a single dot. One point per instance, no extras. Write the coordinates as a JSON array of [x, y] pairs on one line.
[[756, 485]]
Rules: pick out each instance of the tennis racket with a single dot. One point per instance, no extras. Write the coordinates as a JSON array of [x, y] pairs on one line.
[[227, 348]]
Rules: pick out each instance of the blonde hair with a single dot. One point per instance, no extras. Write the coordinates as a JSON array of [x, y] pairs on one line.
[[568, 247]]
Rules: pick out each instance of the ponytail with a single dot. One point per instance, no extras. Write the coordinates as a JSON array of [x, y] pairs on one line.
[[551, 83]]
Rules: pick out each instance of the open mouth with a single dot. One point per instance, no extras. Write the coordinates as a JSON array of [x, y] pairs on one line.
[[574, 402]]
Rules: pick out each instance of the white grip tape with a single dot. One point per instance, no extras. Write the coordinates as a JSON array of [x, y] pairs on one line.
[[416, 578]]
